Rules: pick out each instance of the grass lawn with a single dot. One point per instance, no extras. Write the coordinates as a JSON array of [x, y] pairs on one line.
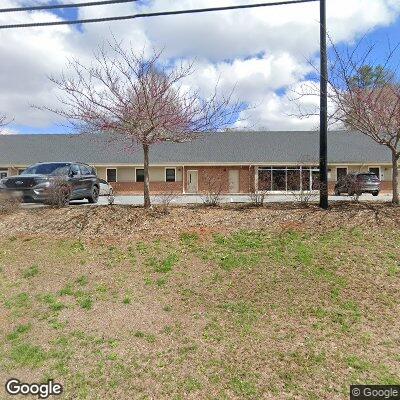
[[272, 312]]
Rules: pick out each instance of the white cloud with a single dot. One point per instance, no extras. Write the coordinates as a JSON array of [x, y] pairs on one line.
[[8, 131], [262, 51]]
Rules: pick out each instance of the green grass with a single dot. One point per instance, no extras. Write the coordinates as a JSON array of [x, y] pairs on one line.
[[243, 313], [247, 314], [30, 272], [150, 338], [19, 331], [27, 355], [82, 280], [52, 302], [163, 265], [85, 302]]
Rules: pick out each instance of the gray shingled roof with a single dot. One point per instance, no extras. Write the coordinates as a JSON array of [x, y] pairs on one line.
[[227, 147]]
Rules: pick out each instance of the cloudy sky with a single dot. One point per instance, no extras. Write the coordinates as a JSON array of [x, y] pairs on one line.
[[264, 52]]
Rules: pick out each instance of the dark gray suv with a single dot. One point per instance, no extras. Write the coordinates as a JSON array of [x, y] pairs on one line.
[[358, 183], [55, 182]]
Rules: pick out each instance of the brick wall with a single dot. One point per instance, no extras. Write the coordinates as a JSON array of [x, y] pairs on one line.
[[219, 177], [386, 186]]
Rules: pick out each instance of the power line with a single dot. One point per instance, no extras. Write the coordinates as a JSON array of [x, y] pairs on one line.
[[154, 14], [58, 6]]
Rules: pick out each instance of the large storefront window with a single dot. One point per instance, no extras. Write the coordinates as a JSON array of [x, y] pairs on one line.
[[288, 179], [279, 179]]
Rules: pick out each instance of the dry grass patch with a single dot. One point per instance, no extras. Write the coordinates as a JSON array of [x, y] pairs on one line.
[[210, 312]]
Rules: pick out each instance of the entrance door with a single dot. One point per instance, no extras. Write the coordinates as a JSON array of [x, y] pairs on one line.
[[192, 178], [233, 181], [341, 173]]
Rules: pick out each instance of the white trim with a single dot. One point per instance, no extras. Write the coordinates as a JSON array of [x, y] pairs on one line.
[[116, 174], [165, 173], [187, 176], [136, 168]]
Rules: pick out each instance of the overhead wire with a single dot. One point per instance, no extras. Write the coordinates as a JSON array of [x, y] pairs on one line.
[[154, 14]]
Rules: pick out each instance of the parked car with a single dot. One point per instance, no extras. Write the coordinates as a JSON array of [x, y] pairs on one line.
[[105, 188], [358, 183], [54, 182]]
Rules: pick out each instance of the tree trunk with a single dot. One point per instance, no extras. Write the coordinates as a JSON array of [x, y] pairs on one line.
[[147, 203], [395, 178]]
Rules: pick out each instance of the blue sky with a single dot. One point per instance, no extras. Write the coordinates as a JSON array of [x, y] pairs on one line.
[[256, 51], [381, 37]]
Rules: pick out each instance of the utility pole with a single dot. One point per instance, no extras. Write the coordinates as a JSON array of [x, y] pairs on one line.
[[323, 135]]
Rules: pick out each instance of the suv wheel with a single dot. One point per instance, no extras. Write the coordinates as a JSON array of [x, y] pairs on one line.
[[95, 195], [376, 193]]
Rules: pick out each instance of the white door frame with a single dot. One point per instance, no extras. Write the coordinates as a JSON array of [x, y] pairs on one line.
[[116, 174], [238, 181], [197, 179]]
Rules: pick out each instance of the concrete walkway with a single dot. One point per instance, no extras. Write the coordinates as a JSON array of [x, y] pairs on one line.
[[137, 200], [276, 198]]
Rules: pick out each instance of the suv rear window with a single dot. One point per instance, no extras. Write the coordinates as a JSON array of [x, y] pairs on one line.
[[367, 177], [85, 170]]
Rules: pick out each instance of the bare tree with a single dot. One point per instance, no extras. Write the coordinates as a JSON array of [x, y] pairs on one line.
[[164, 199], [140, 99], [213, 188], [3, 122], [301, 189], [58, 193], [364, 97], [258, 193]]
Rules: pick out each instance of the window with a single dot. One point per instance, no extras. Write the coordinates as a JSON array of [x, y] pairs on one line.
[[376, 171], [85, 170], [170, 175], [292, 178], [139, 175], [111, 175], [3, 174], [341, 173], [75, 170]]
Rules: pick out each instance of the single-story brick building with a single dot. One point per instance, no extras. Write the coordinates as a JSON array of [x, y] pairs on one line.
[[240, 160]]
